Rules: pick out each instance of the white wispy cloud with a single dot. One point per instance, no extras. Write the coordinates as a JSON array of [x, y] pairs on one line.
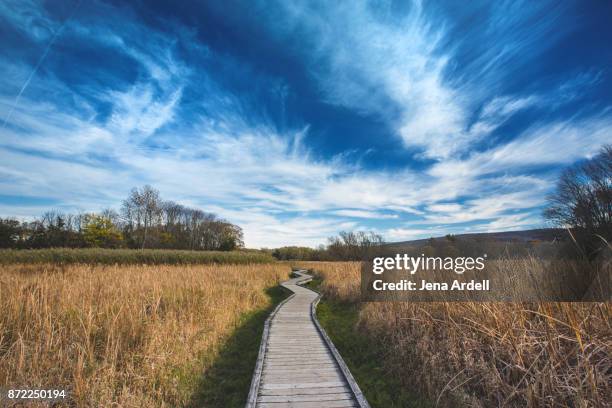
[[497, 111], [365, 63], [139, 111], [365, 214], [260, 177], [396, 67], [30, 19], [410, 233], [240, 165], [542, 144]]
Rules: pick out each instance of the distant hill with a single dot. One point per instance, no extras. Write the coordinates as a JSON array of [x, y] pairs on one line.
[[542, 234]]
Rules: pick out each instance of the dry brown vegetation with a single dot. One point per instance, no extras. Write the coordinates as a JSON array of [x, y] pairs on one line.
[[122, 335], [487, 354]]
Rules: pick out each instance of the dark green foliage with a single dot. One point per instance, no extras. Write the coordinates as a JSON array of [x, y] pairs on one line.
[[10, 232], [296, 253], [227, 382], [146, 221], [131, 256], [364, 357]]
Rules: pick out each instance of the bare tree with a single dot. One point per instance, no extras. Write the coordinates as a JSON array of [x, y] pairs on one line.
[[349, 245], [142, 206], [583, 198]]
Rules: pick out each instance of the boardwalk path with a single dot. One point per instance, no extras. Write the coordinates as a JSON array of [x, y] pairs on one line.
[[298, 366]]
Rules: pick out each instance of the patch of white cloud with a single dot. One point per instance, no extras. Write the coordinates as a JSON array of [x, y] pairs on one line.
[[408, 234], [140, 112], [268, 182], [499, 110], [365, 214], [270, 185], [268, 230], [512, 222], [542, 144], [381, 62], [367, 64], [28, 17], [52, 131], [82, 186]]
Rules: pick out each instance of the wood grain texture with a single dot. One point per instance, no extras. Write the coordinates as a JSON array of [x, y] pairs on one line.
[[296, 366]]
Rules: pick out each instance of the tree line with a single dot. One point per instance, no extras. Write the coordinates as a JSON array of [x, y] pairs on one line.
[[582, 203], [346, 246], [144, 220]]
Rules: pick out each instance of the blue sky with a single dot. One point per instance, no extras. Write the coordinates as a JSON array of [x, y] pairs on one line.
[[299, 119]]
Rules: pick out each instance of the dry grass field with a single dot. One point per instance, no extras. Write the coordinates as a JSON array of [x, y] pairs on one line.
[[130, 336], [486, 354]]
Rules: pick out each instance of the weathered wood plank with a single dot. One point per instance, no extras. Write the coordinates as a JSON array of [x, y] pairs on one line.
[[306, 398], [316, 404], [298, 368], [303, 349], [305, 354], [315, 369], [332, 376], [314, 359], [307, 391], [299, 380], [318, 384], [309, 362]]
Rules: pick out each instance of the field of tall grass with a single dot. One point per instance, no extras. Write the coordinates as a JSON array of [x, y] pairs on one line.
[[131, 256], [485, 354], [130, 336]]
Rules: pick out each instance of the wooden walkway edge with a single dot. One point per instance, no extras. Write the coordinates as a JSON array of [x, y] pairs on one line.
[[297, 364]]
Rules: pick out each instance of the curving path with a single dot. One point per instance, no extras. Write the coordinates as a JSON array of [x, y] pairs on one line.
[[298, 366]]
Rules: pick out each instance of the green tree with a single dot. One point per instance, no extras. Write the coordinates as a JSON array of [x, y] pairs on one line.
[[10, 233], [99, 231]]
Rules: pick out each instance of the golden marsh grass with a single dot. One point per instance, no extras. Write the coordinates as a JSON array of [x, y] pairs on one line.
[[487, 354], [122, 335]]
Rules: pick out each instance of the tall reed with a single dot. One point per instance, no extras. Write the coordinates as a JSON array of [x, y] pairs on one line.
[[122, 335], [487, 354]]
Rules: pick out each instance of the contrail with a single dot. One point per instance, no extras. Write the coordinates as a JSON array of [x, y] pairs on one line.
[[38, 64]]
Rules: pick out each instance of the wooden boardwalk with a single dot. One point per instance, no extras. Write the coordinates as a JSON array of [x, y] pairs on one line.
[[298, 366]]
